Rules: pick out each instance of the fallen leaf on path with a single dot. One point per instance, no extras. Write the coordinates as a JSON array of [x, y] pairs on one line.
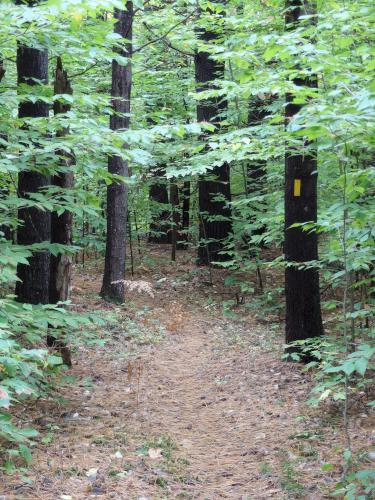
[[155, 453], [91, 473]]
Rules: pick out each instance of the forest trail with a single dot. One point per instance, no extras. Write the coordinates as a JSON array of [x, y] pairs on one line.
[[214, 407], [179, 403]]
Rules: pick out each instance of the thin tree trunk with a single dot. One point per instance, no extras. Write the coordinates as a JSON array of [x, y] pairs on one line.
[[160, 218], [137, 233], [215, 216], [302, 293], [175, 218], [35, 224], [256, 172], [256, 169], [117, 197], [185, 226], [131, 244]]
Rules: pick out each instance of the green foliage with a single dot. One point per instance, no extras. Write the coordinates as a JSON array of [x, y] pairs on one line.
[[27, 370], [260, 58], [289, 478], [359, 486], [336, 365]]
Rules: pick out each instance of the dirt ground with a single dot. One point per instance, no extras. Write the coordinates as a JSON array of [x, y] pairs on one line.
[[181, 402]]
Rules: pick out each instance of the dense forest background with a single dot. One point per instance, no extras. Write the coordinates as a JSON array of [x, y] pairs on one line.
[[238, 133]]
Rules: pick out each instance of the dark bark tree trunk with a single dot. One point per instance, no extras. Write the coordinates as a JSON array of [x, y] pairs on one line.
[[160, 220], [2, 69], [4, 228], [215, 216], [256, 169], [61, 225], [185, 225], [35, 227], [175, 217], [117, 197], [302, 293], [160, 217]]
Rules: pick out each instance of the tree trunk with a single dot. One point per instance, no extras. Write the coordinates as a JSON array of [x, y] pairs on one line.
[[35, 227], [185, 226], [256, 169], [175, 217], [4, 228], [160, 218], [117, 197], [215, 216], [302, 294], [61, 225]]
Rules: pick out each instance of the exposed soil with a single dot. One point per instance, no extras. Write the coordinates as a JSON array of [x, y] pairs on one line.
[[182, 403]]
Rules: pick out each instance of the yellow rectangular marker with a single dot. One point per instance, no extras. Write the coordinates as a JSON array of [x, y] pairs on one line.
[[297, 187]]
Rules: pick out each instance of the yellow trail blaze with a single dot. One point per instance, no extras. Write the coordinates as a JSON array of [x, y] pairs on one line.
[[297, 187]]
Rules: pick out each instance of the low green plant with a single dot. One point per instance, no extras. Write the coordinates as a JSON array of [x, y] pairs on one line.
[[265, 468], [164, 443], [359, 485], [289, 478], [28, 370], [332, 366]]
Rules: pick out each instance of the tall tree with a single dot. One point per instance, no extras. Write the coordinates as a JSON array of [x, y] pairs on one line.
[[160, 215], [185, 223], [213, 189], [61, 225], [256, 169], [158, 191], [4, 228], [175, 217], [35, 224], [117, 197], [302, 294]]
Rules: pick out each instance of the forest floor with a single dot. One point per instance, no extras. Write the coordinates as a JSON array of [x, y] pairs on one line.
[[180, 402]]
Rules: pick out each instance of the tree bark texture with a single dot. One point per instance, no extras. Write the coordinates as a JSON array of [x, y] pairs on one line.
[[160, 217], [175, 217], [117, 196], [256, 169], [185, 224], [4, 191], [215, 216], [35, 224], [61, 225], [302, 293]]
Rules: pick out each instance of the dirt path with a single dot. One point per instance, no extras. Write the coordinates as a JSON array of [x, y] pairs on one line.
[[215, 417], [226, 409], [180, 403]]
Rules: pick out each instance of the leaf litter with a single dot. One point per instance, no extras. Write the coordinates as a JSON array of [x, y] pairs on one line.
[[213, 410]]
